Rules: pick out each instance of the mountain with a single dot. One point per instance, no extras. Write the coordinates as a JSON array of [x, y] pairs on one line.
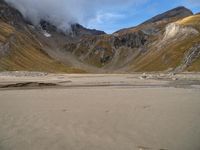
[[19, 47], [79, 30], [164, 18], [10, 15], [25, 47], [167, 42], [159, 44], [179, 12], [76, 29]]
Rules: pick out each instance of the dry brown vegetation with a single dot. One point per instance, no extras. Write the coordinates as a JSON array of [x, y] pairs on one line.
[[171, 54], [26, 54]]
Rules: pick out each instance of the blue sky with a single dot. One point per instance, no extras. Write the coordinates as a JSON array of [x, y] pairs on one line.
[[112, 17]]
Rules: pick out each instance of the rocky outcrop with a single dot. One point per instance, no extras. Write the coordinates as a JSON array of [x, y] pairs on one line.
[[175, 30], [191, 55], [76, 30], [45, 25], [4, 49], [131, 40], [9, 14], [79, 30], [101, 50]]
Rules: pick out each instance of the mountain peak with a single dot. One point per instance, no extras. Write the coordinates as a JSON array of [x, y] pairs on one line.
[[178, 12], [79, 30], [75, 30]]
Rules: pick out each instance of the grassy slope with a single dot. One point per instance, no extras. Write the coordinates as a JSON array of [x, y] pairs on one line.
[[195, 22], [26, 54], [170, 55]]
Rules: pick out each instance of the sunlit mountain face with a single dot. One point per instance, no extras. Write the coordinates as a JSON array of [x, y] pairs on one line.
[[169, 41]]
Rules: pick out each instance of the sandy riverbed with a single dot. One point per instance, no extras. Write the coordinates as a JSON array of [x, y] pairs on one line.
[[99, 112]]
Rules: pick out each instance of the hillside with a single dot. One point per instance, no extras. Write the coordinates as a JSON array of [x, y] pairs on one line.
[[166, 42], [177, 49], [159, 44], [20, 49]]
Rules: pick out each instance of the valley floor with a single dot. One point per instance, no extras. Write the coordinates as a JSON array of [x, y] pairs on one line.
[[41, 111]]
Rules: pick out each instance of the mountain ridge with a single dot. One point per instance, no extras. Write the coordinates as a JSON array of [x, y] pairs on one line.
[[162, 43], [179, 11]]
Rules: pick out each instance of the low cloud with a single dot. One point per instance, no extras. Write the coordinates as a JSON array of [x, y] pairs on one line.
[[63, 13]]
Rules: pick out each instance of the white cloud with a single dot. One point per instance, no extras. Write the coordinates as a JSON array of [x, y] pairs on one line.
[[64, 12], [102, 17], [192, 3]]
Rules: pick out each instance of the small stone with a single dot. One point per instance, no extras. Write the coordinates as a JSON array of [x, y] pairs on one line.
[[174, 79], [143, 76]]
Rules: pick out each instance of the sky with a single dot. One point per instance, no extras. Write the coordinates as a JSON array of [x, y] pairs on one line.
[[106, 15], [129, 16]]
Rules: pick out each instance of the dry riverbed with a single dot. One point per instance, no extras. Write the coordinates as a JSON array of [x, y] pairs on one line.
[[40, 111]]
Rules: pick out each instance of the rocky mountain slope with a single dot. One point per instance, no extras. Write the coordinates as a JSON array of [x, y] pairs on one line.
[[167, 42]]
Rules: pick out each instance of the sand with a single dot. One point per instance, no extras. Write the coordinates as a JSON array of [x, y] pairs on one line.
[[100, 112]]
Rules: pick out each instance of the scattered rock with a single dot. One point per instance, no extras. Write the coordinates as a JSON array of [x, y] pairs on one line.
[[4, 49], [144, 76], [191, 55]]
